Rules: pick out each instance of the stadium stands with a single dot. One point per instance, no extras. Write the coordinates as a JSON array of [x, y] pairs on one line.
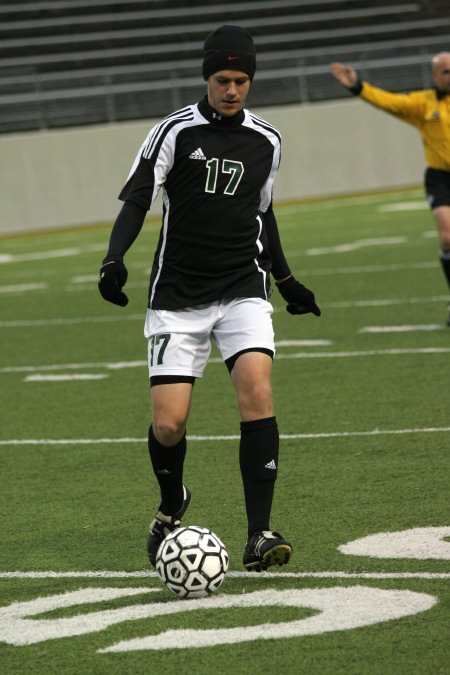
[[75, 62]]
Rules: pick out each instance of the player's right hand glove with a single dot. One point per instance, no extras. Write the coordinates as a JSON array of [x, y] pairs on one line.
[[299, 298], [113, 277]]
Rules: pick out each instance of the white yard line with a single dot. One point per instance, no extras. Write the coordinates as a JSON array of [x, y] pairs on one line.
[[35, 323], [385, 302], [404, 206], [49, 254], [65, 377], [402, 329], [357, 200], [120, 365], [145, 574], [88, 282], [224, 437], [363, 353], [357, 245], [114, 318], [365, 269], [117, 365], [23, 288]]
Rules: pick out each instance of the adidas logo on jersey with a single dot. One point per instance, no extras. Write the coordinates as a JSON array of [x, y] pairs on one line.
[[271, 464], [197, 154]]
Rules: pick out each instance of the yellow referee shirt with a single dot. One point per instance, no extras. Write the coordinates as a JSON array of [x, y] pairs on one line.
[[425, 110]]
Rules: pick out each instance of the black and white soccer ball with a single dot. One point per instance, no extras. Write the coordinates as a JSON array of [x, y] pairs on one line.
[[192, 562]]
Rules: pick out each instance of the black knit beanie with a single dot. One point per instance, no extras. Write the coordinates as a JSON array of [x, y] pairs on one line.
[[229, 48]]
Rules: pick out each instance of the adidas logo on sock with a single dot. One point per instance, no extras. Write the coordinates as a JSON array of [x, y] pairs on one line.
[[271, 464], [197, 154]]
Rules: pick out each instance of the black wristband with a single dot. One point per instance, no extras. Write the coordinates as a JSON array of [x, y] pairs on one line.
[[357, 89]]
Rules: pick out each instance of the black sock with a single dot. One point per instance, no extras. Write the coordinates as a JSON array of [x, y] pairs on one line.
[[167, 465], [258, 457], [445, 262]]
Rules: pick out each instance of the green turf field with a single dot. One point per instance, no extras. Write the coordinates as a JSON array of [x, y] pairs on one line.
[[362, 401]]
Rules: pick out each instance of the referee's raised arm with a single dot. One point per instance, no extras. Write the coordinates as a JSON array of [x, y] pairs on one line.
[[429, 111]]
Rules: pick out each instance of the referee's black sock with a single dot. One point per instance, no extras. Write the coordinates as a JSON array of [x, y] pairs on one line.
[[167, 465], [445, 262], [258, 458]]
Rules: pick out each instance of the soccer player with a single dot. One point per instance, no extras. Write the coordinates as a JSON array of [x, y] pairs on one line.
[[216, 163], [429, 111]]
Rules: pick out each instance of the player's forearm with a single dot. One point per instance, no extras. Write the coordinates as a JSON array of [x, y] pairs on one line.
[[280, 267], [126, 228]]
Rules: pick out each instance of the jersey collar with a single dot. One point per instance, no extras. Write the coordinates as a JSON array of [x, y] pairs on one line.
[[440, 94], [213, 116]]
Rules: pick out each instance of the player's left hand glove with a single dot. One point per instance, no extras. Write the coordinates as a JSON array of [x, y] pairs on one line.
[[299, 298], [113, 276]]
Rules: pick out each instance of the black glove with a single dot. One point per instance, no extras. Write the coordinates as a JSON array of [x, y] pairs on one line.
[[300, 299], [113, 276]]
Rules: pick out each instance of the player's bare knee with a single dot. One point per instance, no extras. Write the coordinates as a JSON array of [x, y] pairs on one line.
[[168, 432], [256, 400]]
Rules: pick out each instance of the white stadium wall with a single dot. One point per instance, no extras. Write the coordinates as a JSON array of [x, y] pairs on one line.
[[71, 177]]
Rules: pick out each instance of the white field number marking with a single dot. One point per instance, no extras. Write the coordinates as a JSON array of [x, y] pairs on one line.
[[420, 543], [356, 245], [338, 609]]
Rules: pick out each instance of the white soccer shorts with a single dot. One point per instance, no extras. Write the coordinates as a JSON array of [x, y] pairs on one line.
[[179, 342]]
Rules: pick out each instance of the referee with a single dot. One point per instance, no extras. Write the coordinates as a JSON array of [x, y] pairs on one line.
[[429, 111], [215, 163]]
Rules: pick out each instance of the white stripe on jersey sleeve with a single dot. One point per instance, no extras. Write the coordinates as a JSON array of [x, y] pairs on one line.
[[154, 134], [273, 135], [160, 143], [161, 128]]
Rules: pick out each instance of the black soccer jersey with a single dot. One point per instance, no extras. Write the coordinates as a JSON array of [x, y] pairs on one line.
[[217, 176]]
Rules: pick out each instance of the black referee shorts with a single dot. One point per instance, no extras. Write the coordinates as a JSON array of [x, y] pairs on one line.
[[437, 187]]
